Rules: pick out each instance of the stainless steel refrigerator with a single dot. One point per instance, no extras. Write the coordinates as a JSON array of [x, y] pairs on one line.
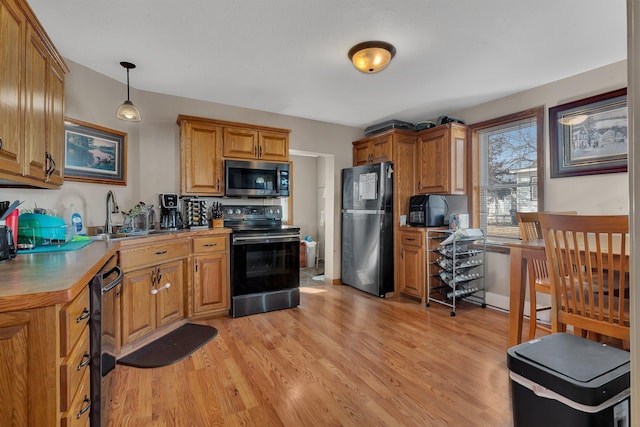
[[367, 228]]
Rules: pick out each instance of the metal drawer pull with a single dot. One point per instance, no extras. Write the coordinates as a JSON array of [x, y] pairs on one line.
[[410, 239], [155, 291], [210, 244], [86, 359], [86, 407], [160, 253], [85, 315]]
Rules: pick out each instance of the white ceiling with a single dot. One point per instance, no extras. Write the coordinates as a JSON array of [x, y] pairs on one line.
[[290, 56]]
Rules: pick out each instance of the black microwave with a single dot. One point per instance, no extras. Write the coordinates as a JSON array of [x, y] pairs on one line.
[[245, 178]]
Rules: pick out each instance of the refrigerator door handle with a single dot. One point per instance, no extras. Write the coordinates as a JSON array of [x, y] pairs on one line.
[[363, 211]]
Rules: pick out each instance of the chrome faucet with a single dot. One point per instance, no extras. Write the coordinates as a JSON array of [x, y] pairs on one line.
[[108, 228]]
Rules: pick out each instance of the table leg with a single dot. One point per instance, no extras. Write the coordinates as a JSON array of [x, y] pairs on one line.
[[517, 288]]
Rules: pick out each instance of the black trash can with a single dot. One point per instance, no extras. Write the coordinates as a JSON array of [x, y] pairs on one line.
[[565, 380]]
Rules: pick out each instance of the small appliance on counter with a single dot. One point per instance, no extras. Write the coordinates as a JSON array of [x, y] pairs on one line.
[[8, 229], [433, 210], [195, 213], [7, 244], [170, 217]]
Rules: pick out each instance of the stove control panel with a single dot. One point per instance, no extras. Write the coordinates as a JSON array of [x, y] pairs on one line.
[[239, 213]]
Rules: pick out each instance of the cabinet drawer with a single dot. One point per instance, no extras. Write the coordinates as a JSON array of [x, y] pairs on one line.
[[74, 317], [412, 239], [210, 244], [73, 368], [78, 413], [134, 258]]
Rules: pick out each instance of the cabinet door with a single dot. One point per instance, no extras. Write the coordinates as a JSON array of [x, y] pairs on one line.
[[382, 149], [442, 160], [201, 158], [55, 125], [210, 287], [241, 143], [37, 74], [12, 33], [411, 265], [273, 146], [434, 162], [28, 375], [169, 301], [138, 304], [361, 153]]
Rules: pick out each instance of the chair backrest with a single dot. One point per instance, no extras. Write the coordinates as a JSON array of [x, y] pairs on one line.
[[588, 261], [529, 224]]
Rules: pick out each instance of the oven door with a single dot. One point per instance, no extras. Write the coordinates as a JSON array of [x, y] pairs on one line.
[[265, 263]]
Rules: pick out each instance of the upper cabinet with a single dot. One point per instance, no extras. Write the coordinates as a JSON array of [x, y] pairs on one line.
[[206, 143], [374, 149], [201, 166], [442, 166], [31, 100], [254, 144]]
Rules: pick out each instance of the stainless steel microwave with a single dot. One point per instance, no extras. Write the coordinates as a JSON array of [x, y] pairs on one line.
[[256, 179]]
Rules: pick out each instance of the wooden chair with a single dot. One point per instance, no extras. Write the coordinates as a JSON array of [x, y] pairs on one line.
[[529, 224], [588, 260]]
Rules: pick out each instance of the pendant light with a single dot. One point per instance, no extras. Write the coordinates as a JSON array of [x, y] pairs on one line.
[[127, 111], [371, 57]]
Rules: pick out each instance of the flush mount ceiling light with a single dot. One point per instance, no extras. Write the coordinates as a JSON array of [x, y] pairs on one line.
[[127, 111], [371, 57]]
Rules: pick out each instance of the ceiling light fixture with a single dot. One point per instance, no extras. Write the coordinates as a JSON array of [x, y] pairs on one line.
[[371, 57], [127, 111]]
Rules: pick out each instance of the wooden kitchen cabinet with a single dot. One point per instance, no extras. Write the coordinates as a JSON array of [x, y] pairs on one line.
[[153, 287], [210, 269], [206, 143], [75, 351], [255, 144], [31, 100], [374, 149], [201, 164], [442, 154], [44, 364], [411, 265], [28, 360]]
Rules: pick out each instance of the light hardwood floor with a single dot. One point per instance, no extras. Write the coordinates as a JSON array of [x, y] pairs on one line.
[[342, 358]]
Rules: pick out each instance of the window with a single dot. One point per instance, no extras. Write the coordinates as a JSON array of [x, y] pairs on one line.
[[509, 171]]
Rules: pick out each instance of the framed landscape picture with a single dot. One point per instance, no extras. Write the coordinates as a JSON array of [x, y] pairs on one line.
[[589, 136], [94, 153]]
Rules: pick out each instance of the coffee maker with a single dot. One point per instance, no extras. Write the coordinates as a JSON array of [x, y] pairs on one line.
[[170, 218]]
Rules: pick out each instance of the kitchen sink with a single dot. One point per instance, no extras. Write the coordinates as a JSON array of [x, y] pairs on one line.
[[128, 235]]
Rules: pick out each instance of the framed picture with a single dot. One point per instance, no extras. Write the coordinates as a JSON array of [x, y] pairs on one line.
[[94, 153], [589, 136]]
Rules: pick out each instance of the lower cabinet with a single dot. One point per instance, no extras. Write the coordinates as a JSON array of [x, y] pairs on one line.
[[44, 365], [28, 376], [411, 262], [75, 391], [153, 287], [210, 268], [151, 298]]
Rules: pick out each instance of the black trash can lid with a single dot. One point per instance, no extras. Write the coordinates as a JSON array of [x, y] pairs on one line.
[[573, 357]]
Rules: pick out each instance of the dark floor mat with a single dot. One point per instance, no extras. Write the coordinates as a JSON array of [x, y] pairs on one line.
[[171, 348]]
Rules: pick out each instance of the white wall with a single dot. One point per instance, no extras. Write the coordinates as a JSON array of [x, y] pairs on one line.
[[594, 194], [305, 204], [153, 145]]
